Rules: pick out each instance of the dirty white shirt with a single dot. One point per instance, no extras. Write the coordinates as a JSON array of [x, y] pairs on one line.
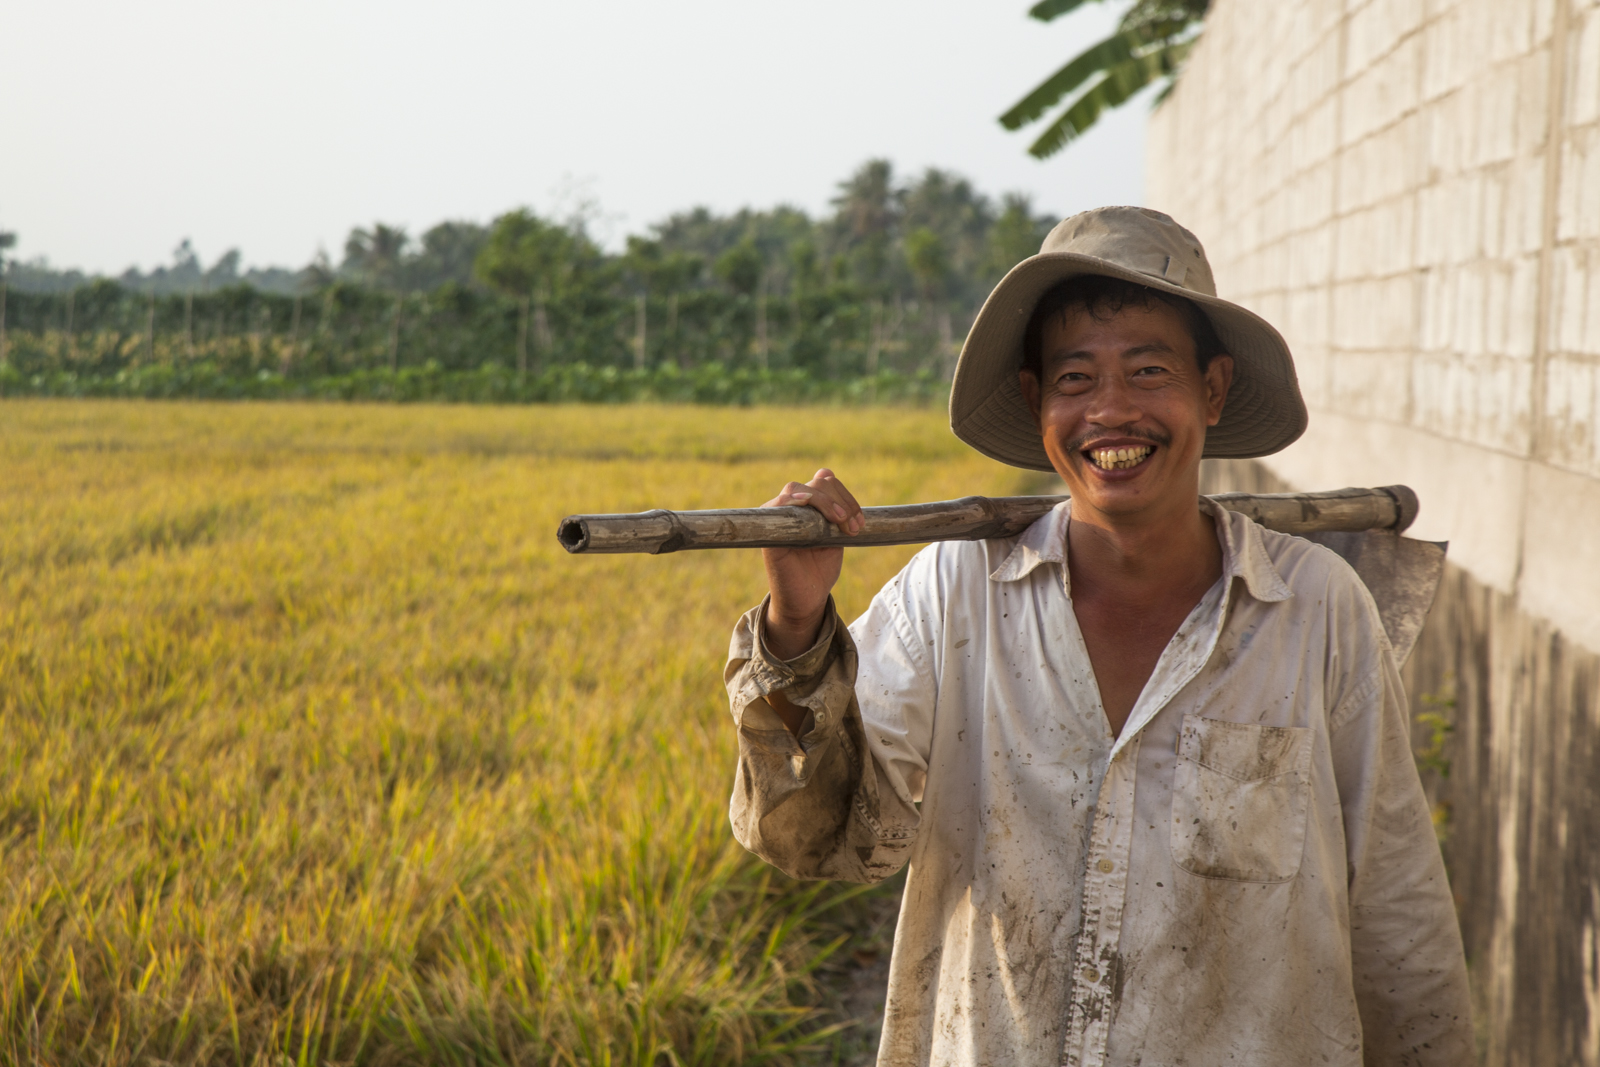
[[1248, 875]]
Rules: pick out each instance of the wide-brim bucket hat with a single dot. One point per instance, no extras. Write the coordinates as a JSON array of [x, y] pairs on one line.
[[1264, 411]]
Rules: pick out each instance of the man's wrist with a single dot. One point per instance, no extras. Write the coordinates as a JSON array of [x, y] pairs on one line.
[[788, 634], [788, 637]]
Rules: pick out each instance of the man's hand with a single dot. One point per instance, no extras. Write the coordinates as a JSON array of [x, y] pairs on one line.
[[802, 578]]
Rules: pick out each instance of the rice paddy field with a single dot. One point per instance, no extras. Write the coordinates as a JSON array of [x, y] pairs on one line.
[[316, 748]]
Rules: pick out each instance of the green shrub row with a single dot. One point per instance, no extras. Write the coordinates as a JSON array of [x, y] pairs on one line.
[[490, 383]]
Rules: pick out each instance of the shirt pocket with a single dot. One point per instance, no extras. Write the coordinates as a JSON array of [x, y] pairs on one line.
[[1239, 799]]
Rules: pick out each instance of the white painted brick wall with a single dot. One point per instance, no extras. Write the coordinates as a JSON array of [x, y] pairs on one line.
[[1373, 176], [1573, 403], [1583, 105], [1580, 186]]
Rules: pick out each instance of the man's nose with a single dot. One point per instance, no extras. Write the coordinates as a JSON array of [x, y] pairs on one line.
[[1114, 403]]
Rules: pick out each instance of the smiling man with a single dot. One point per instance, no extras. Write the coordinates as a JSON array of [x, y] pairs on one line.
[[1148, 763]]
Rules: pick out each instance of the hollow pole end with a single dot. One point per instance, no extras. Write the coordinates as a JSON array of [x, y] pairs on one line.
[[573, 533], [1408, 506]]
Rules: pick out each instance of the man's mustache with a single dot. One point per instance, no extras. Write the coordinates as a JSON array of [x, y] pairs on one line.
[[1153, 436]]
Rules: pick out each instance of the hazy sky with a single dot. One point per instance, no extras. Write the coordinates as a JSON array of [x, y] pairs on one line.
[[277, 127]]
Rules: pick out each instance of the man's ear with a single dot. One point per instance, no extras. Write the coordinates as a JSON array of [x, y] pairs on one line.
[[1029, 382], [1218, 379]]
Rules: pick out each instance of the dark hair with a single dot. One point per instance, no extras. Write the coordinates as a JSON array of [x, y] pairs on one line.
[[1102, 297]]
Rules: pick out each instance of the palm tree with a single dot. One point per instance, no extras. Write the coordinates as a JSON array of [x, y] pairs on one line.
[[1150, 45], [375, 256], [866, 215]]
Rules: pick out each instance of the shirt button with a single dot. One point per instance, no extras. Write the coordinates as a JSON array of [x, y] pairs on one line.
[[1091, 975], [1106, 866]]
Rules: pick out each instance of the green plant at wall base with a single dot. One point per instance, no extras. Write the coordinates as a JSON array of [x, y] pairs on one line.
[[1431, 756], [1150, 46], [1439, 710]]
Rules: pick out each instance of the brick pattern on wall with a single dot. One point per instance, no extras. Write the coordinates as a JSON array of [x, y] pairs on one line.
[[1411, 190]]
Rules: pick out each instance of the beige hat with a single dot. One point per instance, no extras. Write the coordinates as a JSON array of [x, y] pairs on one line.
[[1264, 412]]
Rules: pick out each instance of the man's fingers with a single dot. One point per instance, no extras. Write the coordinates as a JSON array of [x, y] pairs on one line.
[[846, 497], [828, 495], [792, 493], [846, 513], [824, 482]]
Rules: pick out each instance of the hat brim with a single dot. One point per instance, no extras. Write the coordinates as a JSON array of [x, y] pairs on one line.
[[1263, 413]]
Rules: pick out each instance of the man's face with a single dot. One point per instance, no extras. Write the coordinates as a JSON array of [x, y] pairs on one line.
[[1123, 407]]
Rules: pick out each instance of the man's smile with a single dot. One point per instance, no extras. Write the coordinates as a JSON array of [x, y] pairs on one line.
[[1119, 459], [1119, 453]]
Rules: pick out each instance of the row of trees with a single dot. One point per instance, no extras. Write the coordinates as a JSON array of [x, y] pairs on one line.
[[889, 280]]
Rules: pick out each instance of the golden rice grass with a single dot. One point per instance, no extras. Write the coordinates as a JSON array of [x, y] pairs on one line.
[[316, 748]]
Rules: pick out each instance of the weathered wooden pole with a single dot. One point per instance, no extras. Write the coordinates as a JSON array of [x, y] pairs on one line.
[[971, 518]]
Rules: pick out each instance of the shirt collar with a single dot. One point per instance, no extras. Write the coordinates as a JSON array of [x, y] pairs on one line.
[[1043, 542], [1244, 555]]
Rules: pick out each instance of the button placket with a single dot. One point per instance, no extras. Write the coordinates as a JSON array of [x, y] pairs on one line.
[[1111, 843], [1105, 895]]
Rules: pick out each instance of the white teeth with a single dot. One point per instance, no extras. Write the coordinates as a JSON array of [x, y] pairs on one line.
[[1112, 459]]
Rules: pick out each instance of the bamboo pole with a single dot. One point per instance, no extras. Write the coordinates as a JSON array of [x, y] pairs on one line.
[[394, 335], [543, 342], [287, 360], [972, 518], [72, 337], [874, 338], [640, 337], [761, 322], [674, 351], [522, 337]]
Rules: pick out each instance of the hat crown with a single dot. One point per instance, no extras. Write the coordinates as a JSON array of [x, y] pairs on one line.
[[1264, 412], [1136, 239]]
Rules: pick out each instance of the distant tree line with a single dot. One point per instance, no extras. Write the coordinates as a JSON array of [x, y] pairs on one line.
[[887, 284]]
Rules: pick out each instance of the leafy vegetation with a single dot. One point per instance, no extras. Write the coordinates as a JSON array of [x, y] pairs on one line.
[[1150, 45], [1433, 760], [492, 383], [318, 749], [882, 289]]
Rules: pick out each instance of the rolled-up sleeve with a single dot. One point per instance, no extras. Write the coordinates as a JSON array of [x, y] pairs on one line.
[[816, 805], [1410, 978]]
